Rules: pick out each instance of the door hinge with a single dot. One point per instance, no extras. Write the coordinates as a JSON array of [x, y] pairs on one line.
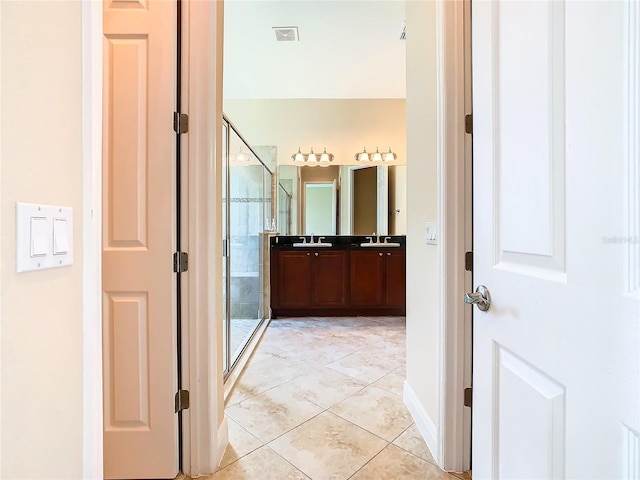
[[468, 261], [468, 123], [468, 397], [182, 400], [180, 262], [180, 122]]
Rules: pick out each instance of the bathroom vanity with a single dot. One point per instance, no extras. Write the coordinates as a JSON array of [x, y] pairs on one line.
[[337, 275]]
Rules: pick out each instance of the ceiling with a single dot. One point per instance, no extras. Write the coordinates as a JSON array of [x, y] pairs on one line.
[[346, 49]]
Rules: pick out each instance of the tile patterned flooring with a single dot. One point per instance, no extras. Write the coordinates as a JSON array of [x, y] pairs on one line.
[[321, 398]]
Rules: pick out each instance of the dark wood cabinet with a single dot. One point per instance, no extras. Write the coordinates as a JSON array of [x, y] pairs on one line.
[[291, 279], [378, 278], [329, 279], [366, 285], [395, 279], [356, 281], [304, 279]]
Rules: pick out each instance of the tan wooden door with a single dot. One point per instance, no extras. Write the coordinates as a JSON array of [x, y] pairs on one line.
[[139, 308]]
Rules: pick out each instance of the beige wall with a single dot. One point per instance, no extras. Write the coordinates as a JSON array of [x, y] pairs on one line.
[[344, 127], [40, 162], [422, 194]]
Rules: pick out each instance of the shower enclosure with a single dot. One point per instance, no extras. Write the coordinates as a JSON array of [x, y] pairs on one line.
[[248, 214]]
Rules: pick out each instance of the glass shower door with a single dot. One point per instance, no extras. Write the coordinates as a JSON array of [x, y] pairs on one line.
[[247, 213]]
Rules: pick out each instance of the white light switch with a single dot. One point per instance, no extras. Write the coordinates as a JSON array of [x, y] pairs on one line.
[[38, 237], [60, 237], [432, 233], [44, 236]]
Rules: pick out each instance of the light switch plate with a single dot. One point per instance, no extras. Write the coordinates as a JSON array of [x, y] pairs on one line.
[[432, 233], [44, 236]]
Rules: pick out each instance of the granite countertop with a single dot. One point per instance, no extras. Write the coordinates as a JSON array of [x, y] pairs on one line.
[[338, 242]]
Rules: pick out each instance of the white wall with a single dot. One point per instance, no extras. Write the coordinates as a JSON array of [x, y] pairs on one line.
[[40, 162], [422, 195]]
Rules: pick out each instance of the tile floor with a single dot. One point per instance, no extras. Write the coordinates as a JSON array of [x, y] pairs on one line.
[[321, 398]]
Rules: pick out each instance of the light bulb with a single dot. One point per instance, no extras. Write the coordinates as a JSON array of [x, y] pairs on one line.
[[312, 159], [363, 156], [389, 156], [324, 158], [298, 157]]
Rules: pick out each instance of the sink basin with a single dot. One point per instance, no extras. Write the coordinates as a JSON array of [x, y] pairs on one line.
[[378, 245], [312, 245]]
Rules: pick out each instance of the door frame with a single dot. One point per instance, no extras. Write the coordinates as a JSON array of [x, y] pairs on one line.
[[92, 412], [453, 31], [205, 433], [205, 428]]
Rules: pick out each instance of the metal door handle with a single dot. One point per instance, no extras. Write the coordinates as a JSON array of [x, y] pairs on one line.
[[481, 298]]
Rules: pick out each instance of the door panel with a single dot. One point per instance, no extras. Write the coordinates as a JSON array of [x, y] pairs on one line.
[[294, 279], [395, 281], [139, 311], [367, 279], [529, 162], [552, 359], [329, 279]]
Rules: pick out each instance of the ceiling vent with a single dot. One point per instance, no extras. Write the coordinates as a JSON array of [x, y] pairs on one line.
[[286, 34], [403, 31]]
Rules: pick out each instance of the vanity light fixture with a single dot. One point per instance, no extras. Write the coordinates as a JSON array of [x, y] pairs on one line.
[[312, 159], [364, 156]]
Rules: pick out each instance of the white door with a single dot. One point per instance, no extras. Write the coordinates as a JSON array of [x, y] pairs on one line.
[[556, 240], [139, 308]]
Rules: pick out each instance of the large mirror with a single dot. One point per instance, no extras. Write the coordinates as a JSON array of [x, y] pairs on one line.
[[344, 200], [320, 211]]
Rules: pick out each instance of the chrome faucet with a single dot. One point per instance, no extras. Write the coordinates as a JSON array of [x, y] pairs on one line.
[[304, 239], [320, 239], [311, 241], [386, 239]]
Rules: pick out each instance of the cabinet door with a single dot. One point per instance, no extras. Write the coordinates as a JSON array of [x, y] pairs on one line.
[[293, 279], [330, 276], [366, 284], [395, 279]]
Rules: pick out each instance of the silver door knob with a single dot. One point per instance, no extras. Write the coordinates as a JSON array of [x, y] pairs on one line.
[[481, 298]]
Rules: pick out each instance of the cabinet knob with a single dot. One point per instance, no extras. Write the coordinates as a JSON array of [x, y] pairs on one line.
[[308, 254], [380, 253], [389, 254], [316, 254]]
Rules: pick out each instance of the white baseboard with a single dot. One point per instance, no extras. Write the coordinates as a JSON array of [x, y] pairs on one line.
[[223, 441], [423, 421]]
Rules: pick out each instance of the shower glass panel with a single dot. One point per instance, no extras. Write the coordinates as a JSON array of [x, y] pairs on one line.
[[225, 242], [248, 212]]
